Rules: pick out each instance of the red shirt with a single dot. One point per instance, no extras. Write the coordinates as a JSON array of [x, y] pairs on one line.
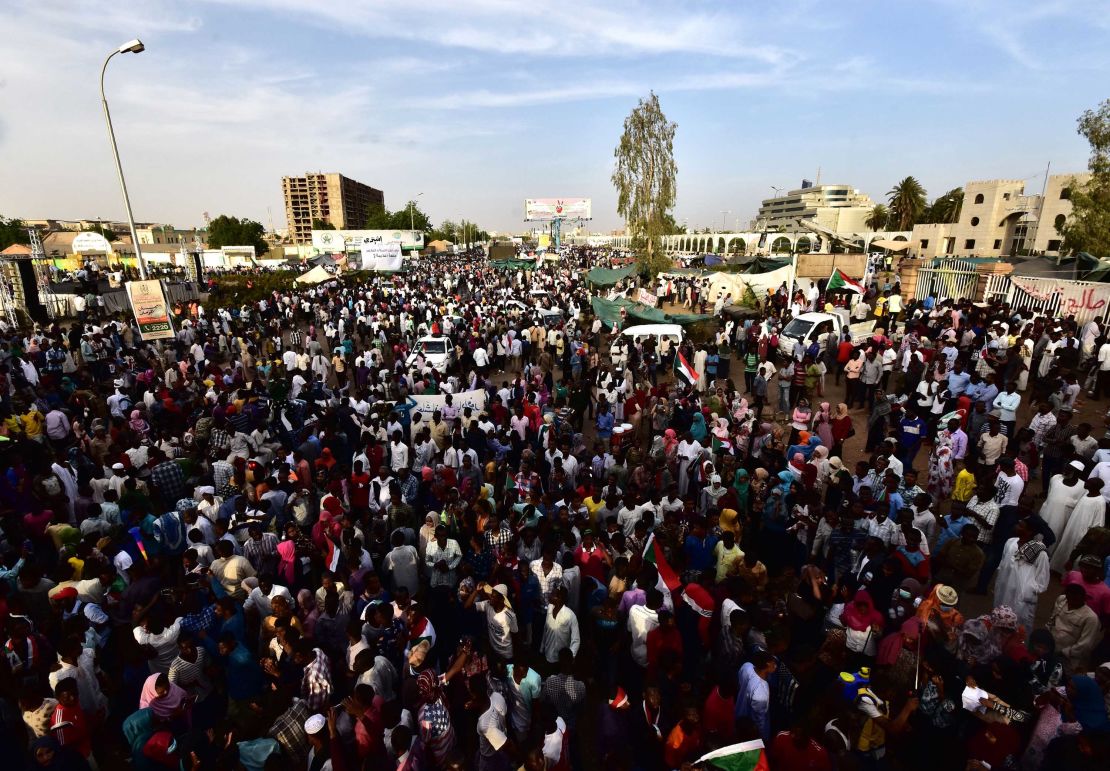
[[811, 756], [69, 727], [660, 639], [717, 717]]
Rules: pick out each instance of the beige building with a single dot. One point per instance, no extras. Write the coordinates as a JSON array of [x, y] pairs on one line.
[[839, 208], [330, 197], [998, 219], [168, 234]]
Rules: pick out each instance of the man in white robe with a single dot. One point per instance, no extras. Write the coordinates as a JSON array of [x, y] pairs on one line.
[[1023, 574]]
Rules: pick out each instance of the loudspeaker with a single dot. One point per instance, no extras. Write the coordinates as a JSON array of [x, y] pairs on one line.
[[35, 309]]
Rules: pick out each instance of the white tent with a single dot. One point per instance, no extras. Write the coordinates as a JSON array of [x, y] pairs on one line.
[[736, 283], [315, 276]]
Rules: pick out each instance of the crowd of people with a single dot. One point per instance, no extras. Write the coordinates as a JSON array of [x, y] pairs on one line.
[[287, 538]]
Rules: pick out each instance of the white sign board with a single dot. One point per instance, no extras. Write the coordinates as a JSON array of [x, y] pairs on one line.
[[647, 298], [426, 405], [335, 241], [547, 209], [91, 242], [379, 256]]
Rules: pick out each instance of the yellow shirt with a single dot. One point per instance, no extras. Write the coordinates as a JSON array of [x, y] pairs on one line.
[[964, 487], [33, 423]]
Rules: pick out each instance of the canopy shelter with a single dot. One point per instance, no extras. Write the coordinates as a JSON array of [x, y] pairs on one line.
[[514, 264], [609, 311], [891, 245], [609, 276], [315, 276]]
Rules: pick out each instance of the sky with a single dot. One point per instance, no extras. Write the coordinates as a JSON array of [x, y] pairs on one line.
[[479, 104]]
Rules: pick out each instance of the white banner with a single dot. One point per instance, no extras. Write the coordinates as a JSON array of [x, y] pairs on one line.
[[381, 256], [334, 241], [647, 298], [547, 209], [1081, 299], [426, 405]]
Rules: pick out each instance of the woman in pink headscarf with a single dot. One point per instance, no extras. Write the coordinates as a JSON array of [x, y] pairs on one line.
[[287, 555], [822, 424], [167, 701], [138, 425]]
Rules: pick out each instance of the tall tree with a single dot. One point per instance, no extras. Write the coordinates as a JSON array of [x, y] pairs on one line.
[[1088, 227], [907, 202], [319, 224], [877, 217], [13, 231], [232, 231], [644, 179], [945, 209]]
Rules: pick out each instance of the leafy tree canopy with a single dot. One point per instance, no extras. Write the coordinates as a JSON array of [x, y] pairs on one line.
[[1088, 227], [232, 231]]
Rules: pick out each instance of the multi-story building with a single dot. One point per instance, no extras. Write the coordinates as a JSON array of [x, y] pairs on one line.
[[839, 208], [998, 219], [333, 198]]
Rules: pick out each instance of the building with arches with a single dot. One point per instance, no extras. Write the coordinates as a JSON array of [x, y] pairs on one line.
[[998, 219]]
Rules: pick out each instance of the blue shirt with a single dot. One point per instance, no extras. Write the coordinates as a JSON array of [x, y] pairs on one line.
[[699, 552], [957, 383], [604, 425], [952, 530], [913, 431]]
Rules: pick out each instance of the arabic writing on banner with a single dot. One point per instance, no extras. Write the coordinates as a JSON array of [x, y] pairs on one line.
[[151, 311], [1083, 300], [426, 405]]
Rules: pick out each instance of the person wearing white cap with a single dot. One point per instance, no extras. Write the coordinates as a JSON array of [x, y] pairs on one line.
[[319, 731], [500, 617]]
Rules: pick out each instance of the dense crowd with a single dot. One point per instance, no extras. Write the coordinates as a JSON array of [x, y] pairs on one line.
[[288, 538]]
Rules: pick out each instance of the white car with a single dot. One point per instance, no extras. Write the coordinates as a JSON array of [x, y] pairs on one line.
[[438, 352]]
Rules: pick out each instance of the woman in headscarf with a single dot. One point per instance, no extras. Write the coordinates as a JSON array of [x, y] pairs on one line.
[[941, 473], [820, 462], [799, 419], [841, 429], [1088, 704], [976, 645], [1009, 635], [863, 624], [899, 652], [434, 719], [741, 485], [427, 533], [698, 428], [167, 702], [138, 425], [822, 424]]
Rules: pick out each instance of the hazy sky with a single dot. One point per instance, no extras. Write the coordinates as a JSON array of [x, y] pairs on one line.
[[482, 103]]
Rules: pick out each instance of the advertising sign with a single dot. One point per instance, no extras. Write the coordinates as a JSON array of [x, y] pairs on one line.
[[379, 256], [335, 241], [547, 209], [152, 314]]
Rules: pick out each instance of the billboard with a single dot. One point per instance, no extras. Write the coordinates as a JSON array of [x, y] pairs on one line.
[[335, 241], [151, 311], [91, 242], [547, 209]]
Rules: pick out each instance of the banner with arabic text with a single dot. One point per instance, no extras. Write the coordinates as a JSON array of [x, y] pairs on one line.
[[1082, 299]]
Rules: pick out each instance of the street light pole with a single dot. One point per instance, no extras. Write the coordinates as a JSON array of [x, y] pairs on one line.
[[134, 46]]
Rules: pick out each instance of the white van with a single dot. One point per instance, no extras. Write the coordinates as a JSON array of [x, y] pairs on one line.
[[438, 352], [671, 332]]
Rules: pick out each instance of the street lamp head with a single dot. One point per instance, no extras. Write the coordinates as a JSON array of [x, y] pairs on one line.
[[132, 47]]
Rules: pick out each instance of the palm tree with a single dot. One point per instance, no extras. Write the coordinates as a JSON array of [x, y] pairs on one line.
[[947, 207], [878, 217], [907, 202]]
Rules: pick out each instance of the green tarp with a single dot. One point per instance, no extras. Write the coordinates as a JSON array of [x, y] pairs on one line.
[[514, 264], [609, 311], [609, 276]]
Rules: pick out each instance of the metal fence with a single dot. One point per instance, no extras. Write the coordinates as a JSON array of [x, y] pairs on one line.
[[1002, 287], [946, 278]]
